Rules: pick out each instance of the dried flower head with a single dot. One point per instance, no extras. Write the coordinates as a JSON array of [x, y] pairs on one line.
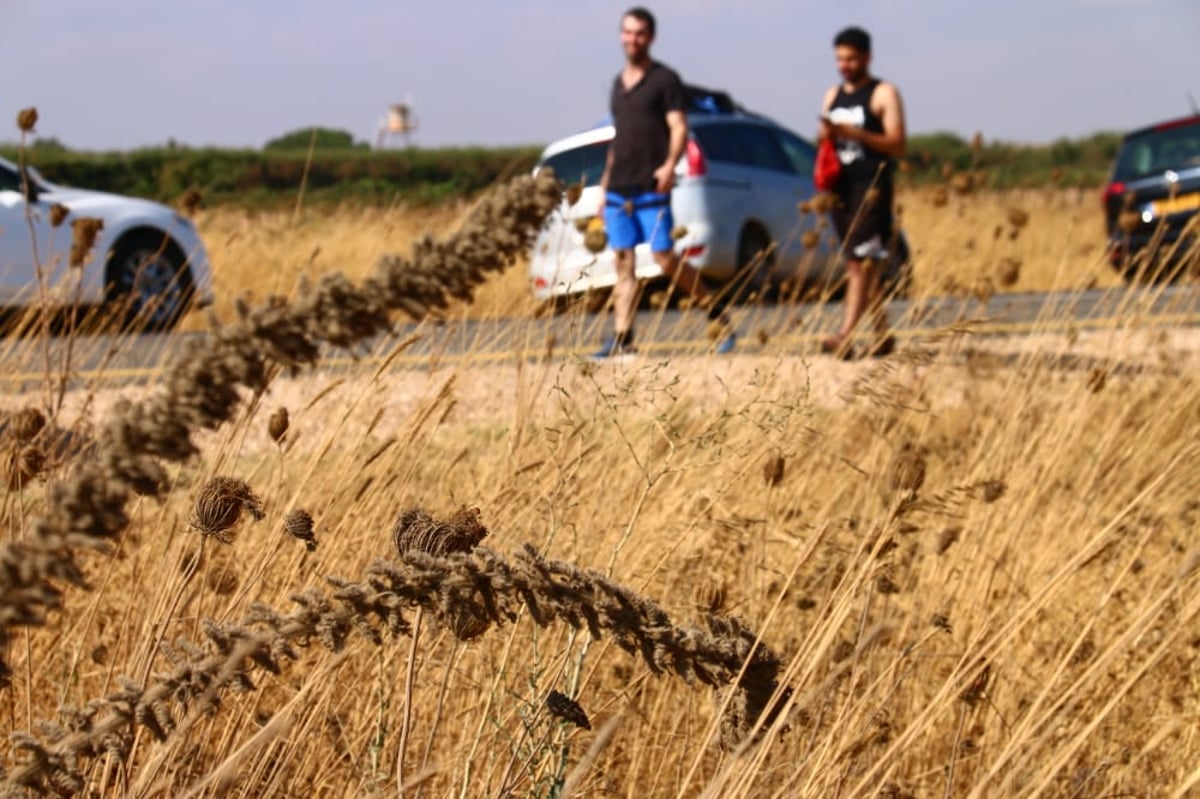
[[991, 490], [773, 469], [222, 580], [596, 238], [977, 143], [974, 693], [762, 336], [26, 119], [416, 530], [25, 424], [805, 206], [83, 237], [907, 469], [1018, 217], [582, 223], [1008, 272], [810, 239], [678, 232], [947, 539], [58, 214], [962, 183], [1096, 380], [190, 201], [567, 709], [299, 524], [277, 425], [22, 465], [219, 507], [940, 197], [573, 193], [823, 203]]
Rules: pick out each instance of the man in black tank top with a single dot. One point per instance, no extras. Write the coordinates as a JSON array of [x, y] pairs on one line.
[[864, 117]]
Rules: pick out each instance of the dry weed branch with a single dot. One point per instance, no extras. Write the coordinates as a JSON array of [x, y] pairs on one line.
[[203, 389]]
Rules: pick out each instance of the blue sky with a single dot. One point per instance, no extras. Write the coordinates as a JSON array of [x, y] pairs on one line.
[[125, 73]]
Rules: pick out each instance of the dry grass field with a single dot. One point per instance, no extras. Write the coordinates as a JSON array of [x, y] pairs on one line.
[[968, 570]]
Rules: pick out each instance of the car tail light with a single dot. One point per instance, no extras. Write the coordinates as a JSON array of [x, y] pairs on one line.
[[1113, 189], [696, 165]]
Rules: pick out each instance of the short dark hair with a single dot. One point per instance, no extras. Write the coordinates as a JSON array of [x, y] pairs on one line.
[[854, 37], [643, 16]]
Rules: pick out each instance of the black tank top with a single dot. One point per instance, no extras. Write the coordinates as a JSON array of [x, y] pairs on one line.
[[859, 162]]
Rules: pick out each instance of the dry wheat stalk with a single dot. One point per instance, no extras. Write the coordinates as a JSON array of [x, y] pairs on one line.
[[481, 583], [201, 391]]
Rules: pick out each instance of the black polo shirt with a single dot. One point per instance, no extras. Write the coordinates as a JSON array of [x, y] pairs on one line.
[[642, 139]]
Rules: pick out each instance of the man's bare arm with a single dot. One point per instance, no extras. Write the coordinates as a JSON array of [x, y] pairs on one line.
[[665, 174]]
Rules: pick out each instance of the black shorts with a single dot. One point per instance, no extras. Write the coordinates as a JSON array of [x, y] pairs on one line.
[[863, 218]]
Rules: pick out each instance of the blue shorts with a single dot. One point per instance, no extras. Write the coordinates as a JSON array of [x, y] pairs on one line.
[[629, 221]]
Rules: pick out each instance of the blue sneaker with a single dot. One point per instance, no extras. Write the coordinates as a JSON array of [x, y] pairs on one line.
[[727, 343], [614, 351]]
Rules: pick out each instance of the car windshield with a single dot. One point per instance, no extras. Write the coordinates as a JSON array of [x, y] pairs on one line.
[[581, 165], [1157, 151]]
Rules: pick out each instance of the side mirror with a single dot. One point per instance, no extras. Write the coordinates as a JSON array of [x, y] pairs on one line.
[[29, 186]]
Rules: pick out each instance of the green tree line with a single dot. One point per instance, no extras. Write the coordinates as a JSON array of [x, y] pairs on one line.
[[332, 167]]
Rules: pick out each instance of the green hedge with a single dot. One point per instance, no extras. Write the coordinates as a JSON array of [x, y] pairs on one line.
[[274, 176], [258, 177]]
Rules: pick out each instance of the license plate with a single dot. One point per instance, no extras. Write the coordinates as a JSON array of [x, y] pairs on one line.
[[1175, 205]]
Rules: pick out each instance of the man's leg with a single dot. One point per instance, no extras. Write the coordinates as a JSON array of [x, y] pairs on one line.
[[624, 295]]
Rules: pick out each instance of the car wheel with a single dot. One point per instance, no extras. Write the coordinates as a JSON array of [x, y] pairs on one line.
[[754, 274], [148, 282]]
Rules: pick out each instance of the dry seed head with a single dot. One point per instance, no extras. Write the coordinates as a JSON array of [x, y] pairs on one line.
[[596, 240], [940, 197], [962, 183], [23, 465], [58, 214], [415, 530], [277, 425], [774, 469], [574, 192], [810, 239], [1096, 380], [977, 142], [83, 236], [947, 170], [823, 203], [299, 524], [26, 119], [947, 539], [567, 709], [222, 580], [1009, 271], [977, 690], [907, 469], [678, 232], [805, 206], [762, 335], [25, 424], [219, 506], [710, 597], [582, 223], [991, 490], [1018, 217], [191, 201]]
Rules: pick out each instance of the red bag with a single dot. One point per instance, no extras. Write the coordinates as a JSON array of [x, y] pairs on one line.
[[828, 167]]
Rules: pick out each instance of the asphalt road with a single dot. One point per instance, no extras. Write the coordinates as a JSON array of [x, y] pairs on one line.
[[108, 360]]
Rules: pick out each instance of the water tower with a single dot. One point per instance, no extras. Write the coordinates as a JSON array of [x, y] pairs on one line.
[[400, 121]]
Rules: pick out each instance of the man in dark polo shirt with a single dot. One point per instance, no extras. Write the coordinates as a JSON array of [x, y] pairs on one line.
[[648, 109]]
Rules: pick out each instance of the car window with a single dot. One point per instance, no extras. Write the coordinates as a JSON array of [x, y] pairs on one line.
[[799, 152], [584, 164], [1157, 151], [9, 179], [748, 145]]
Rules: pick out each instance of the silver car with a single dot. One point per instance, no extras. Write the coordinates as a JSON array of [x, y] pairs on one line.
[[146, 257], [741, 200]]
